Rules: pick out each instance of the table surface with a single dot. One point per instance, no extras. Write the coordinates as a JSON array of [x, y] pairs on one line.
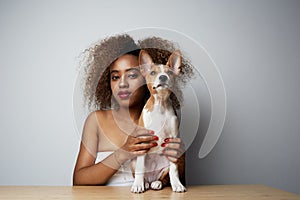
[[231, 192]]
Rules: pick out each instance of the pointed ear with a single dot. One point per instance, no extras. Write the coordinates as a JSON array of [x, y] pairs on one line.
[[145, 62], [174, 61]]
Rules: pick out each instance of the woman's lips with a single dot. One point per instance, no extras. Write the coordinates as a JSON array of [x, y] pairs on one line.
[[124, 95]]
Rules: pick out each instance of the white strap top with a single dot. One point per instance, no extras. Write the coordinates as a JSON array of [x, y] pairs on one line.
[[123, 177], [154, 167]]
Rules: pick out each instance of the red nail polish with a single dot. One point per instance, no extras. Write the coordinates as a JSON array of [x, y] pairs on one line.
[[151, 132], [167, 140], [154, 144], [163, 144], [155, 137]]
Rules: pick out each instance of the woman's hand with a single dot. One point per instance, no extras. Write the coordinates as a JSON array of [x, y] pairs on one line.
[[173, 149], [138, 143]]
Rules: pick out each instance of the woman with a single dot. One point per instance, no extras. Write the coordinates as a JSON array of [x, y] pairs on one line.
[[111, 137]]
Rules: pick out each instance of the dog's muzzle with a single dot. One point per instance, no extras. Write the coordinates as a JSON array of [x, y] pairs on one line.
[[163, 78]]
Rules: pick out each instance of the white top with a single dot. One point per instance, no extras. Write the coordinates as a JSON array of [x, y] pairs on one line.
[[155, 165], [123, 177]]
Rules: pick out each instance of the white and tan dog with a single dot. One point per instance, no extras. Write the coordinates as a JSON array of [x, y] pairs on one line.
[[158, 115]]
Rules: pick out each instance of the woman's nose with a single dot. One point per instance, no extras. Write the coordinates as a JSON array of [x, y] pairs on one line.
[[123, 82]]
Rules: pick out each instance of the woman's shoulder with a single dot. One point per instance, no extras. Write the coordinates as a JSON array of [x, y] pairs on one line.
[[95, 117], [94, 121], [101, 114]]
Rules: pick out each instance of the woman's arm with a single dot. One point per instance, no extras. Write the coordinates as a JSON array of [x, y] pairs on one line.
[[86, 172]]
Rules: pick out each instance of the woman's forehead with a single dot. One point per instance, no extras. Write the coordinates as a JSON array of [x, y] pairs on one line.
[[124, 63], [125, 70]]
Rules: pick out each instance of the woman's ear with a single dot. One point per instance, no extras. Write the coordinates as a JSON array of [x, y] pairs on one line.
[[174, 61], [145, 62]]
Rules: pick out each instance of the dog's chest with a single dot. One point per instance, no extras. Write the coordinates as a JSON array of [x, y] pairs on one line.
[[160, 123], [157, 120]]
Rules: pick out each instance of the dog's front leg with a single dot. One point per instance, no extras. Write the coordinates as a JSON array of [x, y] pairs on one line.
[[174, 175], [138, 184], [174, 179]]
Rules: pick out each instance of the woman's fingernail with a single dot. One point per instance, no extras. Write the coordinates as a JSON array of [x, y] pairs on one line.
[[163, 144], [154, 144], [167, 140], [155, 137], [151, 132]]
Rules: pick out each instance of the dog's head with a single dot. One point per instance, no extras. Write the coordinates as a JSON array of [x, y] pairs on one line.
[[160, 78]]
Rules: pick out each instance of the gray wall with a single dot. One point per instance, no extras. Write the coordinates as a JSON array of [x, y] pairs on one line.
[[255, 45]]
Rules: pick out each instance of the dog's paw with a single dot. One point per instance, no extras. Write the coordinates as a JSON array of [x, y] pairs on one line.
[[139, 187], [156, 185], [146, 186], [178, 188]]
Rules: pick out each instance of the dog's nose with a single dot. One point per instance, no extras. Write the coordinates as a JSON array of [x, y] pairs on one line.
[[163, 78]]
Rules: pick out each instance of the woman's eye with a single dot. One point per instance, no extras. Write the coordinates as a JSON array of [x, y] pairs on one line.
[[152, 73], [133, 76], [114, 78]]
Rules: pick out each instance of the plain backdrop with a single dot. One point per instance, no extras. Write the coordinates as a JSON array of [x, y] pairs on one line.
[[255, 44]]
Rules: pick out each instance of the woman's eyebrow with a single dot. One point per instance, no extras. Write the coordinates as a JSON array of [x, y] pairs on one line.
[[127, 70], [114, 71], [133, 69]]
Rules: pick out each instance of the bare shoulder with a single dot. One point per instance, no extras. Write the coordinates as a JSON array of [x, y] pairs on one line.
[[102, 117], [92, 123], [97, 118], [102, 114], [97, 115], [91, 120]]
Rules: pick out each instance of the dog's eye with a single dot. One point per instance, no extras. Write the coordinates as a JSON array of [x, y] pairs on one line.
[[152, 73], [170, 73]]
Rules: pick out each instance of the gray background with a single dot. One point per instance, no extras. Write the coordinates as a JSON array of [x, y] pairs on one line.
[[255, 45]]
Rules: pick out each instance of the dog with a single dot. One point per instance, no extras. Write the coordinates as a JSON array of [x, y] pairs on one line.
[[158, 115]]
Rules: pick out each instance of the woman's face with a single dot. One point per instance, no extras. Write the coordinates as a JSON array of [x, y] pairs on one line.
[[126, 81]]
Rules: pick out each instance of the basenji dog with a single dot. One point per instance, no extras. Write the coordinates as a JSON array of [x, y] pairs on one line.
[[158, 115]]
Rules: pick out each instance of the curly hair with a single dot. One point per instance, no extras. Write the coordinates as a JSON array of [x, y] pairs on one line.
[[100, 56]]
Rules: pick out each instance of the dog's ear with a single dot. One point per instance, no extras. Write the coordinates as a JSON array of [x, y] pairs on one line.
[[145, 62], [174, 61]]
